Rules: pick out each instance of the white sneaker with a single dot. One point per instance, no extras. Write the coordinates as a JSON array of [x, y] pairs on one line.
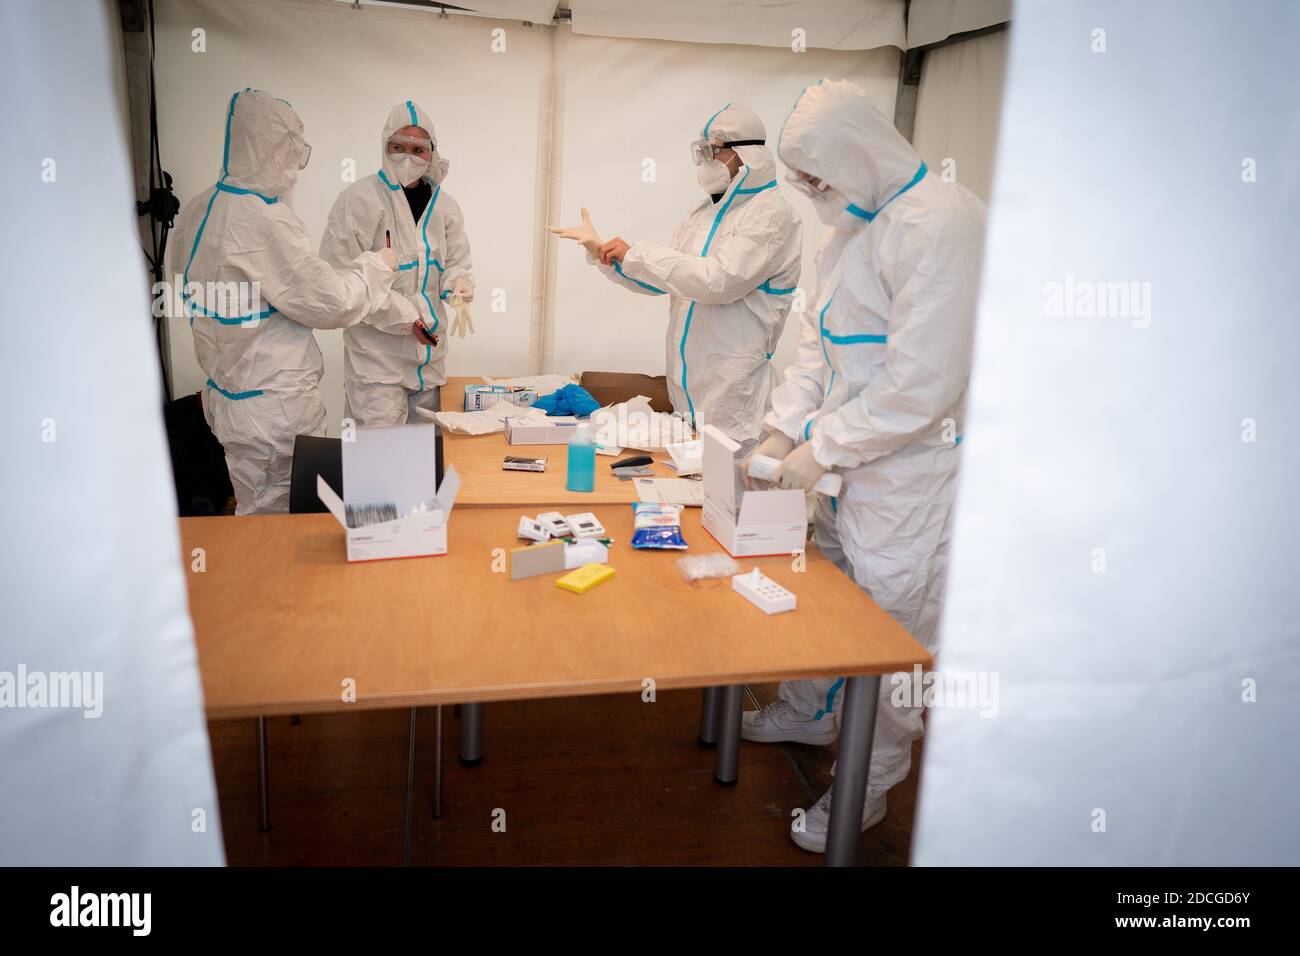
[[779, 722], [818, 820]]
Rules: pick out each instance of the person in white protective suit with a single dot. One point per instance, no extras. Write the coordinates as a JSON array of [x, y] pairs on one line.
[[876, 394], [253, 336], [386, 376], [730, 275]]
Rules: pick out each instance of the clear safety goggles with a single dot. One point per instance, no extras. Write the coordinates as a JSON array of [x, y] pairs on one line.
[[810, 186], [414, 145], [306, 155], [705, 151]]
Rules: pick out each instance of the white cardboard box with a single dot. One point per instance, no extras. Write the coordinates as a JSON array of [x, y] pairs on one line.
[[398, 466], [765, 523], [552, 431]]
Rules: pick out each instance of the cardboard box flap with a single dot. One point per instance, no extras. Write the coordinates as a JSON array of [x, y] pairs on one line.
[[331, 501], [396, 464], [446, 497], [772, 508]]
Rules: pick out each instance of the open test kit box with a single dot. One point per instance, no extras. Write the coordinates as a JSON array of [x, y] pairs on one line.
[[747, 523], [393, 470], [480, 397]]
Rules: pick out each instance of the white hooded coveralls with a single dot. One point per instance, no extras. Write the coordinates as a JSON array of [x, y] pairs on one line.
[[255, 345], [730, 274], [879, 382], [387, 374]]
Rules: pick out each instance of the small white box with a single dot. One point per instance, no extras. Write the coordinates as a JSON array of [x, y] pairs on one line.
[[395, 466], [480, 397], [552, 431], [747, 523], [762, 592], [555, 523], [584, 525]]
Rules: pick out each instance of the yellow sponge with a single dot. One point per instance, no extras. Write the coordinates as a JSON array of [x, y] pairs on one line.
[[585, 578]]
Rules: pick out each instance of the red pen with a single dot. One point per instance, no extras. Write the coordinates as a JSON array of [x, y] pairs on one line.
[[388, 239]]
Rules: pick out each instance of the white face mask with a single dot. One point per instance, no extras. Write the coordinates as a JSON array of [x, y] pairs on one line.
[[714, 177], [832, 208], [409, 169]]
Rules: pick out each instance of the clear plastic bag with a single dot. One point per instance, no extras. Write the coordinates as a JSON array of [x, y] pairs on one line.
[[719, 564]]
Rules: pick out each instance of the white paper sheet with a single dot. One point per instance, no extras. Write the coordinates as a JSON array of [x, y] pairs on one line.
[[670, 491], [490, 421]]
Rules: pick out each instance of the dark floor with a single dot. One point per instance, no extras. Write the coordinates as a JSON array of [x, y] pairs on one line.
[[583, 781]]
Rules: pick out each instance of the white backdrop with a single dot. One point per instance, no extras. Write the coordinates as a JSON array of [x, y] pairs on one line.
[[628, 101], [343, 70], [1126, 536], [623, 101], [957, 108]]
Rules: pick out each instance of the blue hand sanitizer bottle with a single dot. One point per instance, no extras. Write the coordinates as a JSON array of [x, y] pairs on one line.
[[582, 460]]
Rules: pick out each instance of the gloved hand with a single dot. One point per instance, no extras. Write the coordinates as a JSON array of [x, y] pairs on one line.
[[463, 288], [390, 258], [584, 233], [799, 469], [775, 445]]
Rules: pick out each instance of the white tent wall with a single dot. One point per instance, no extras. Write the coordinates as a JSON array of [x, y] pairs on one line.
[[821, 24], [931, 21], [1126, 536], [633, 106], [343, 70], [618, 103], [92, 579], [957, 109]]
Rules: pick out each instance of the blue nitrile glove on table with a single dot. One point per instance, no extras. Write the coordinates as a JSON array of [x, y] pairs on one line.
[[570, 400]]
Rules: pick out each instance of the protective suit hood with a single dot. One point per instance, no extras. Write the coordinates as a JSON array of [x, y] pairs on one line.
[[835, 133], [738, 122], [264, 144], [407, 113]]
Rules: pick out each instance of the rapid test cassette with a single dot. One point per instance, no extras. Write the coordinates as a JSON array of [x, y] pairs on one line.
[[764, 593]]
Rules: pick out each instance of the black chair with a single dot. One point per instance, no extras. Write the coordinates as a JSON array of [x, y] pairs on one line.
[[311, 457]]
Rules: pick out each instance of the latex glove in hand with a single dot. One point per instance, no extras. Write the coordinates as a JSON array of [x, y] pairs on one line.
[[461, 323], [775, 445], [462, 288], [799, 469], [583, 233], [390, 258]]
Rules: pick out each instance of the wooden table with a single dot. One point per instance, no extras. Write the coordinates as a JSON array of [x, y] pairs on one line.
[[483, 482], [283, 622]]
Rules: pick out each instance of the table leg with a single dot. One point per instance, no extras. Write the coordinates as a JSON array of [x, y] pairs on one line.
[[726, 770], [709, 704], [857, 724], [263, 795], [471, 734], [437, 768], [410, 790]]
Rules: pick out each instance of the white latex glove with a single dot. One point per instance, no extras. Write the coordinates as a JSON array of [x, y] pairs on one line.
[[584, 233], [461, 323], [775, 445], [463, 288], [799, 469], [390, 258]]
